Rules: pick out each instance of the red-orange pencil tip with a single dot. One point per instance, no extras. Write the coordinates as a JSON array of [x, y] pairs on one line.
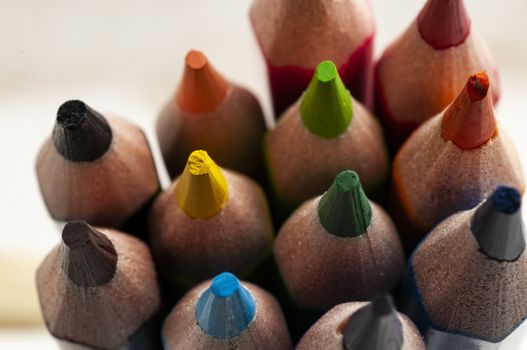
[[478, 85], [469, 121], [202, 88], [195, 59]]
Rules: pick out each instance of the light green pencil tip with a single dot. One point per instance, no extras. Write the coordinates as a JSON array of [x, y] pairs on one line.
[[326, 108], [344, 210]]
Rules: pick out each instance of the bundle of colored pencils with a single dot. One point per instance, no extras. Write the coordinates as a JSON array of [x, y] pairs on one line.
[[297, 234]]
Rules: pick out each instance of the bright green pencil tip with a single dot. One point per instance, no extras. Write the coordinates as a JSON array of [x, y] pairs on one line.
[[344, 210], [326, 107]]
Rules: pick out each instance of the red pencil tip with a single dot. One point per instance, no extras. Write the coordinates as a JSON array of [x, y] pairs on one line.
[[202, 88], [444, 23], [469, 121], [478, 86]]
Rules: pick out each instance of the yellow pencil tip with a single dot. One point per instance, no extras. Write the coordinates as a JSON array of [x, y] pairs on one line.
[[201, 190]]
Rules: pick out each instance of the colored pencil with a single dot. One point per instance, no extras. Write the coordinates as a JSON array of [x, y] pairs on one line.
[[338, 247], [372, 325], [226, 314], [98, 289], [88, 169], [324, 132], [452, 162], [423, 70], [209, 112], [209, 220], [341, 31], [465, 284]]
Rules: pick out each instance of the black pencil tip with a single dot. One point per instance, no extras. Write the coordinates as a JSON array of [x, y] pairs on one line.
[[89, 258], [498, 227], [376, 326], [80, 133]]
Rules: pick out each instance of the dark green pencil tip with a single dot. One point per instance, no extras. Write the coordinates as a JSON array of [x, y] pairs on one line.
[[326, 107], [344, 210]]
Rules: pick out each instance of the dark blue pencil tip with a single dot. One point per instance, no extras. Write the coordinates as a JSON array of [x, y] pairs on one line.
[[498, 227], [506, 199], [226, 308]]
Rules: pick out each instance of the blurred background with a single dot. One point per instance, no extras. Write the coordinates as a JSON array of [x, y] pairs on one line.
[[126, 57]]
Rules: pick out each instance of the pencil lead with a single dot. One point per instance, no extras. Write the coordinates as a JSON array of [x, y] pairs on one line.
[[375, 327], [81, 134], [444, 23], [202, 88], [89, 258], [344, 210], [498, 227], [226, 308], [201, 190], [469, 121], [326, 107]]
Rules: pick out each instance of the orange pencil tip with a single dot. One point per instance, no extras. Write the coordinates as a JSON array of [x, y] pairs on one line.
[[469, 121], [202, 88], [478, 85]]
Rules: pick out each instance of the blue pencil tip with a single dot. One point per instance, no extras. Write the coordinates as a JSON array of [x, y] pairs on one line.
[[226, 308], [224, 285], [506, 199], [498, 226]]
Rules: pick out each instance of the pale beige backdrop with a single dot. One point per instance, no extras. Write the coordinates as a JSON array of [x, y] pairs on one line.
[[126, 56]]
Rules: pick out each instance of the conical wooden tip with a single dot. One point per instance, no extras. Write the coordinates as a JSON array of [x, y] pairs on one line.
[[469, 121], [226, 308], [375, 327], [498, 226], [444, 23], [201, 190], [80, 133], [326, 107], [344, 210], [202, 88], [88, 258]]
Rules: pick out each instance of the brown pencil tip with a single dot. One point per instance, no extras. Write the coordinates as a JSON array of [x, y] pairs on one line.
[[469, 121], [202, 88], [89, 258], [444, 23]]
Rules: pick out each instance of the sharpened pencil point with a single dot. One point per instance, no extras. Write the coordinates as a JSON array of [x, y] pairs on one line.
[[80, 133], [89, 258], [478, 85], [444, 23], [344, 210], [226, 308], [469, 122], [326, 107], [498, 227], [201, 190], [202, 88], [375, 327]]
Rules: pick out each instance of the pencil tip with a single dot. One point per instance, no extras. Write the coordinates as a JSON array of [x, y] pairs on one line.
[[444, 23], [326, 107], [89, 258], [469, 121], [344, 210], [226, 308], [80, 133], [498, 227], [478, 85], [202, 88], [375, 326], [201, 190]]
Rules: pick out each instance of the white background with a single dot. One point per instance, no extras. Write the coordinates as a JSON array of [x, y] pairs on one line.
[[126, 57]]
